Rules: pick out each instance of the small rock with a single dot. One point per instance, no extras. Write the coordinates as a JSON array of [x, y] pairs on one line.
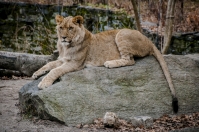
[[110, 120], [79, 126], [85, 126], [145, 121], [138, 129]]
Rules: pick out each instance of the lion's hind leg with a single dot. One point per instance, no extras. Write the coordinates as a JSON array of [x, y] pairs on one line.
[[124, 46], [126, 56], [46, 68]]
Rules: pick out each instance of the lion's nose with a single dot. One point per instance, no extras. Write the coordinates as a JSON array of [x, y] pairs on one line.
[[64, 37]]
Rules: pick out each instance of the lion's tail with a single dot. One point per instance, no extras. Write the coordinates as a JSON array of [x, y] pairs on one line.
[[163, 64]]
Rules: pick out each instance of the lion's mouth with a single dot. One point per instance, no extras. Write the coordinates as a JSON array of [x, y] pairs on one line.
[[64, 42], [67, 41]]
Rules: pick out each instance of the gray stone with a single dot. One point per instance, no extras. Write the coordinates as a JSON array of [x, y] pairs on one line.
[[52, 21], [145, 121], [138, 90], [110, 119]]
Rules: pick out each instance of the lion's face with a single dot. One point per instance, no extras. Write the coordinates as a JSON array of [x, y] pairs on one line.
[[70, 30]]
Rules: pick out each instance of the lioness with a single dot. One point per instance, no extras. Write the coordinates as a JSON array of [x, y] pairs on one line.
[[79, 48]]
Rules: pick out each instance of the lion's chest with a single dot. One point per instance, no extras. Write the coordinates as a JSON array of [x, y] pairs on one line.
[[75, 54]]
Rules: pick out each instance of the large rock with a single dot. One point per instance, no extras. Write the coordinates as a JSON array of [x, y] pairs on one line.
[[138, 90]]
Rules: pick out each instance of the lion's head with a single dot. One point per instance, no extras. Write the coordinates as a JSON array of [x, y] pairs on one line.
[[70, 30]]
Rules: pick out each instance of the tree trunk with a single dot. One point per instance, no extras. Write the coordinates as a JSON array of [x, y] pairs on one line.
[[20, 64], [137, 18], [169, 25]]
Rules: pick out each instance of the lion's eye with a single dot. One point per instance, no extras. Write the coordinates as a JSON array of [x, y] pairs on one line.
[[70, 28], [61, 27]]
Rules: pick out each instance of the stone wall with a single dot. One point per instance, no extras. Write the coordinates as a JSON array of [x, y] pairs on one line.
[[181, 43], [30, 28], [185, 43]]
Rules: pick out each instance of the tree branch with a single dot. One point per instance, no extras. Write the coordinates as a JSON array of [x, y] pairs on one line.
[[169, 25], [137, 18]]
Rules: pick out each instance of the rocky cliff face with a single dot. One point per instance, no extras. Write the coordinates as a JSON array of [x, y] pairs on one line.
[[138, 90]]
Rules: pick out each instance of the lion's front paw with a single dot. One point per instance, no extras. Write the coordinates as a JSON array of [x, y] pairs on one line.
[[44, 83], [37, 74], [109, 64]]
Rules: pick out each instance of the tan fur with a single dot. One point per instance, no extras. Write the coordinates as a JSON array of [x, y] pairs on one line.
[[79, 48]]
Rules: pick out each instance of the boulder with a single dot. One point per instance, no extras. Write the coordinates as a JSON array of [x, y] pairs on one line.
[[138, 90]]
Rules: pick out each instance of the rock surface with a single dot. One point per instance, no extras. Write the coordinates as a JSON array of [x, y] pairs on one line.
[[139, 90]]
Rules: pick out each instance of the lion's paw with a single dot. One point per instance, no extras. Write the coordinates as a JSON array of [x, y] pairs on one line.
[[37, 74], [109, 64], [44, 84]]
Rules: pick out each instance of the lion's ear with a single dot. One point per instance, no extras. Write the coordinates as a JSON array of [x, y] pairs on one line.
[[78, 20], [59, 19]]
